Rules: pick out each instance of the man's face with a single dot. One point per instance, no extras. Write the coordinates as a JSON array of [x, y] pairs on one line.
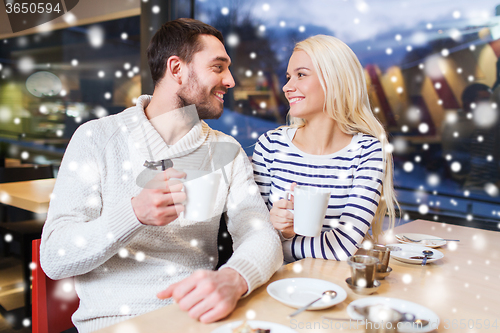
[[208, 79]]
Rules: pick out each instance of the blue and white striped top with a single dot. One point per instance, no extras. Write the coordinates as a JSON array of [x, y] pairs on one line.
[[354, 174]]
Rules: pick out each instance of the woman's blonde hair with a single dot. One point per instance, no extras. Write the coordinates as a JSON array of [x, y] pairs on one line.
[[346, 101]]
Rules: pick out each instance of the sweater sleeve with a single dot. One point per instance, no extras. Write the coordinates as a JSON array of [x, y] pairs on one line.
[[79, 235], [339, 242], [261, 161], [257, 248]]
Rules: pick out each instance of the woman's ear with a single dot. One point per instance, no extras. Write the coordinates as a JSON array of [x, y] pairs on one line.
[[174, 68]]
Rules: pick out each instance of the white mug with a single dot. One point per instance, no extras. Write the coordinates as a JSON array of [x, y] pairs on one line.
[[309, 209], [201, 194]]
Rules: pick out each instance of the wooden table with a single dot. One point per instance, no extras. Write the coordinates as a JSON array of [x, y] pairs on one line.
[[462, 289], [32, 195]]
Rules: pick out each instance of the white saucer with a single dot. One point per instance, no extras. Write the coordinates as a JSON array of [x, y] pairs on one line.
[[275, 328], [300, 291], [419, 311], [430, 241], [403, 252]]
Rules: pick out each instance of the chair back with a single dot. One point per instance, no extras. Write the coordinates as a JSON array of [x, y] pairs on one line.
[[53, 302], [18, 174]]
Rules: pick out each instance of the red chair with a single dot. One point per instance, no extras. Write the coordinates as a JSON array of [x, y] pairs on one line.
[[53, 302]]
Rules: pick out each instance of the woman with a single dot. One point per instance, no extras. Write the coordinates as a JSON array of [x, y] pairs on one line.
[[335, 142]]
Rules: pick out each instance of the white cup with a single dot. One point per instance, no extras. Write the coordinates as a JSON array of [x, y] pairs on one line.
[[309, 209], [201, 194]]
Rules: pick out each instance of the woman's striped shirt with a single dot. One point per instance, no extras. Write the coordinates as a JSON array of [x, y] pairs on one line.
[[354, 174]]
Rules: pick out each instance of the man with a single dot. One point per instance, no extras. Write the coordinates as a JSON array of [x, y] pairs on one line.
[[114, 224]]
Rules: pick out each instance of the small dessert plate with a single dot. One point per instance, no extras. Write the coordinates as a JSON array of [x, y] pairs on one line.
[[363, 290], [426, 240], [419, 311], [407, 251]]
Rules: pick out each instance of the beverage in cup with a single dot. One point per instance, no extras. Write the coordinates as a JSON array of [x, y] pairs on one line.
[[363, 270]]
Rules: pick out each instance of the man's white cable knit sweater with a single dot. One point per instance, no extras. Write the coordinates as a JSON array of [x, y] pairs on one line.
[[119, 264]]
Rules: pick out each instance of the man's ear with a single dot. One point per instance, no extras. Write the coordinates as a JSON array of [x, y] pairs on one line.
[[175, 68]]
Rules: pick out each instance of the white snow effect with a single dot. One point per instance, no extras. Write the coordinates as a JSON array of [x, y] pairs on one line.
[[408, 166], [361, 283], [423, 128], [491, 189], [257, 224], [95, 35], [456, 166], [127, 165], [67, 287], [26, 65], [140, 256], [100, 112], [484, 115], [193, 242], [253, 189], [250, 314], [423, 209], [124, 309], [123, 253], [407, 278], [233, 40], [8, 238], [433, 180], [452, 246], [80, 241], [171, 270], [297, 267]]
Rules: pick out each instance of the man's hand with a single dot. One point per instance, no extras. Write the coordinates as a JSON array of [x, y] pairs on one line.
[[281, 217], [208, 295], [159, 203]]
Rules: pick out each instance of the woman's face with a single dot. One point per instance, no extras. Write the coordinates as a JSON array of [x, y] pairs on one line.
[[303, 89]]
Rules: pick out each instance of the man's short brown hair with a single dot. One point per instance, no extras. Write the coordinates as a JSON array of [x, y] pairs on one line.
[[177, 38]]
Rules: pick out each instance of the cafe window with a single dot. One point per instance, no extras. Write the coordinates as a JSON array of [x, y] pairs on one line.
[[51, 82], [431, 70]]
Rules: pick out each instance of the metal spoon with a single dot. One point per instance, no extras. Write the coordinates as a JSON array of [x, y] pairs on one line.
[[329, 294], [426, 253]]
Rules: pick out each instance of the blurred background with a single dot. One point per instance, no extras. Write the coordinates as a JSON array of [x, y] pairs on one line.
[[431, 66]]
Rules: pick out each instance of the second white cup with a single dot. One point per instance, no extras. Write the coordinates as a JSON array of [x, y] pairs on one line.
[[201, 192], [309, 209]]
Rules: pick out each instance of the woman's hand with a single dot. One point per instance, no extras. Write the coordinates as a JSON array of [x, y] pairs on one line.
[[282, 218]]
